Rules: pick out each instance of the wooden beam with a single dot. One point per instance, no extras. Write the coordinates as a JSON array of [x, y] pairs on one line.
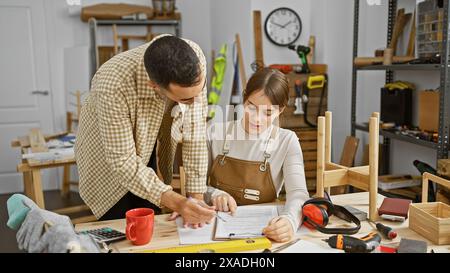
[[374, 144], [257, 31], [320, 157], [241, 62]]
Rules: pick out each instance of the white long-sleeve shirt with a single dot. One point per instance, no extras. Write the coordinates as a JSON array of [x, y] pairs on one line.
[[286, 162]]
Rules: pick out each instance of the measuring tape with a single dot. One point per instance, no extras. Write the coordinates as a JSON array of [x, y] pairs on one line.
[[224, 247]]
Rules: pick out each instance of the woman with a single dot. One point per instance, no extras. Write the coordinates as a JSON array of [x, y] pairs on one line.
[[251, 159]]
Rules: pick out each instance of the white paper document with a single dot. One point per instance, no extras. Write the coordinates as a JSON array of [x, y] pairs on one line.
[[190, 236], [248, 222]]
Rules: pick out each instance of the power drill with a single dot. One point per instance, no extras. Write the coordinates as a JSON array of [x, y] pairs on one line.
[[302, 52], [351, 244]]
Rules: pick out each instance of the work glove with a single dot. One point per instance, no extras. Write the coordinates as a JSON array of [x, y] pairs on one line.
[[63, 239], [34, 225]]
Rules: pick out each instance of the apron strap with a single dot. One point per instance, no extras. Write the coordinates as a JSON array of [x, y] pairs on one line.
[[269, 148], [226, 143]]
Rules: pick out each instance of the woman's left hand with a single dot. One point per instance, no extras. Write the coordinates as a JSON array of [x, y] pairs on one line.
[[279, 230]]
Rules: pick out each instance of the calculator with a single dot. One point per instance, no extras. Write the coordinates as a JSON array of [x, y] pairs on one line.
[[105, 235]]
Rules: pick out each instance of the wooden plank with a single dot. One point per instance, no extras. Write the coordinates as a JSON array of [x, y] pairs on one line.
[[257, 32], [349, 151], [310, 174], [37, 141], [25, 167], [309, 145], [37, 193], [412, 37], [328, 122], [320, 157], [309, 155], [335, 178], [65, 189], [306, 134], [241, 61], [310, 165], [71, 210], [84, 219]]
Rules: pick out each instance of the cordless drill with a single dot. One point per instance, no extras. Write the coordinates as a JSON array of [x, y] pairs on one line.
[[351, 244], [302, 52]]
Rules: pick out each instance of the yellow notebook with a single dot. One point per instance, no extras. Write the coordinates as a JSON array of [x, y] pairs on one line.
[[223, 247]]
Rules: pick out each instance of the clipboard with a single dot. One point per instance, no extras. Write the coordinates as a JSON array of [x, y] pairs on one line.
[[257, 223]]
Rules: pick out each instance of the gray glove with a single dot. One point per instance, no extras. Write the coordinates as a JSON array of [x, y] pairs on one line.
[[34, 224], [63, 239]]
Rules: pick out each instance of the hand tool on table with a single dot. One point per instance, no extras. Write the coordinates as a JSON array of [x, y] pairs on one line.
[[352, 244], [386, 231], [280, 248]]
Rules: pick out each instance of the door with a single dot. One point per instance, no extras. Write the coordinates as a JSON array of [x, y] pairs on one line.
[[25, 100]]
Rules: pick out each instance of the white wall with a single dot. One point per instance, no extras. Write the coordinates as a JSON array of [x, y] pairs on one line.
[[213, 22]]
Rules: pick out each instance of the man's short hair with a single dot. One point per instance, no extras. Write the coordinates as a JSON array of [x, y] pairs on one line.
[[170, 59]]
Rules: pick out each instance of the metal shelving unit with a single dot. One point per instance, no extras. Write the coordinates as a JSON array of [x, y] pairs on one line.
[[442, 147], [93, 24]]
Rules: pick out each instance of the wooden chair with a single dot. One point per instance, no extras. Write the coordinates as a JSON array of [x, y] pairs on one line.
[[330, 174]]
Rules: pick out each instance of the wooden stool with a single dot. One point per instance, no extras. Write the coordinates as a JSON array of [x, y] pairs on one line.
[[330, 174]]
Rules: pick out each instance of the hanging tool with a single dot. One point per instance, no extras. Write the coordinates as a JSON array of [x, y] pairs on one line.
[[299, 98], [302, 52], [351, 244], [314, 82]]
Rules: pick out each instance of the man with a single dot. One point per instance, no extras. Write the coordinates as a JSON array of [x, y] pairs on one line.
[[130, 106]]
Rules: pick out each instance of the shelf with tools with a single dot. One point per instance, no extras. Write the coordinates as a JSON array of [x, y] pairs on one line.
[[405, 63], [399, 136], [402, 67]]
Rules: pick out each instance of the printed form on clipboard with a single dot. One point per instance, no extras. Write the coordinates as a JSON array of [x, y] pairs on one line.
[[247, 222]]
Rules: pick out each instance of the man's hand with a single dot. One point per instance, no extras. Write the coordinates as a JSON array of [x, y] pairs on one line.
[[225, 202], [279, 230], [194, 212]]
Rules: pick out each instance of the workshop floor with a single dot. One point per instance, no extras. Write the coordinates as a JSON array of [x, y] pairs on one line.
[[53, 200]]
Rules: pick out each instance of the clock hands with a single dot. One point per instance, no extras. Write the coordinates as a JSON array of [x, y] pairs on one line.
[[285, 25], [277, 24]]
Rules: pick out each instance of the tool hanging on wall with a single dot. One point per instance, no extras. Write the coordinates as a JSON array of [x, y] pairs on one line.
[[302, 52], [313, 83], [299, 99]]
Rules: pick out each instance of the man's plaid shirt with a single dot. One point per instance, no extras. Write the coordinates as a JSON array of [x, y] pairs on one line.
[[120, 122]]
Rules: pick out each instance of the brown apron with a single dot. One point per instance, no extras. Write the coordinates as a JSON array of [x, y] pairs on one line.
[[249, 182]]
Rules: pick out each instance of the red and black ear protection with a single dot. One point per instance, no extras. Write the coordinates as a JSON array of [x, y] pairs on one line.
[[316, 213]]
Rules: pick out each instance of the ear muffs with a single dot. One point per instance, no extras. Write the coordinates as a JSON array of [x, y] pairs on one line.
[[317, 211], [314, 215]]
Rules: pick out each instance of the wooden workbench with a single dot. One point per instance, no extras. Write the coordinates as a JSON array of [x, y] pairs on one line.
[[165, 232]]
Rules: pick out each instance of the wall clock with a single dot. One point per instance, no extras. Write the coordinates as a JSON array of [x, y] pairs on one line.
[[283, 26]]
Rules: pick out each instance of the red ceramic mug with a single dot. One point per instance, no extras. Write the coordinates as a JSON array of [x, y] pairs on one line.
[[140, 225]]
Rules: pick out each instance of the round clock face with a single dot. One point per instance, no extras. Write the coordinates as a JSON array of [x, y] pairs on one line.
[[283, 26]]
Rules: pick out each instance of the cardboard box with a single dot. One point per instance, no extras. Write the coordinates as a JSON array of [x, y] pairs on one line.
[[429, 111]]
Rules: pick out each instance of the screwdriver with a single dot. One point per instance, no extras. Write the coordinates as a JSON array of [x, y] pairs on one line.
[[387, 232], [351, 244]]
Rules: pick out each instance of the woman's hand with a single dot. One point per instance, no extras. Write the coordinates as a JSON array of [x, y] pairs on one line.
[[224, 202], [279, 230]]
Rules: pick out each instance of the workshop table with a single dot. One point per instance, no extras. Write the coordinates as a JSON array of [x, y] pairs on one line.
[[165, 232]]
